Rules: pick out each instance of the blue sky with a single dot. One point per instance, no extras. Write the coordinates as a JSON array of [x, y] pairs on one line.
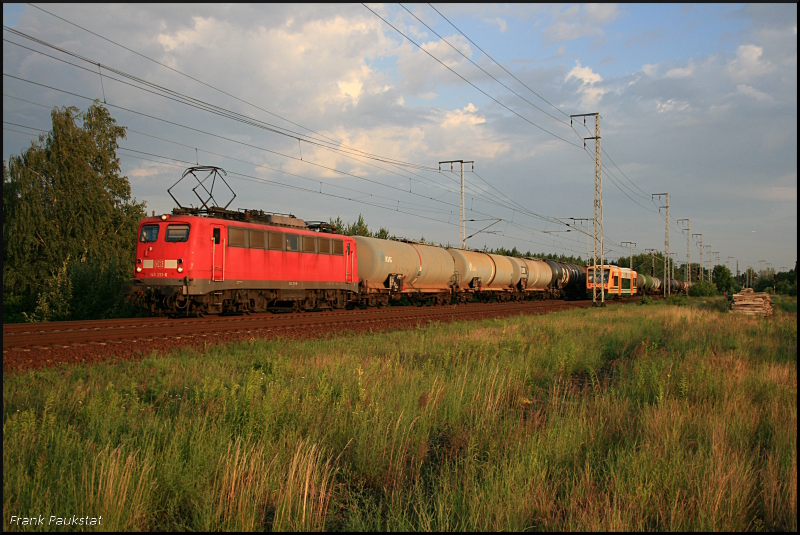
[[696, 100]]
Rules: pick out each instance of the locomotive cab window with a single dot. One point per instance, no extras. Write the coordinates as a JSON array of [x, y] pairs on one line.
[[177, 233], [149, 233], [276, 241], [257, 240], [292, 242], [309, 244], [324, 246], [338, 247], [237, 237]]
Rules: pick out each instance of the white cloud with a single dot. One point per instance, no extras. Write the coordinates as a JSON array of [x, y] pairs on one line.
[[681, 72], [748, 63], [501, 24], [671, 105], [575, 21], [202, 33], [584, 74], [650, 69], [753, 92], [462, 117], [591, 94]]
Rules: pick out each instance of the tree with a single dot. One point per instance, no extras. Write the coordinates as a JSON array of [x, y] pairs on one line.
[[65, 201], [722, 278]]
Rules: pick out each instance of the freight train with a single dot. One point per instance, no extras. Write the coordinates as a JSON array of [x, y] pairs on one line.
[[211, 260], [214, 260]]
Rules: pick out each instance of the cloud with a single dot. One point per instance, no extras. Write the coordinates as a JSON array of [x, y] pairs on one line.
[[748, 63], [681, 72], [753, 92], [501, 23], [591, 94], [671, 105], [461, 117], [576, 21]]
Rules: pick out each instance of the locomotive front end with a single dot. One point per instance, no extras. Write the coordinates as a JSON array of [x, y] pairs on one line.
[[163, 264]]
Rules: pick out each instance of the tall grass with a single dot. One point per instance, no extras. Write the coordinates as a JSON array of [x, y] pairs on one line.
[[627, 418]]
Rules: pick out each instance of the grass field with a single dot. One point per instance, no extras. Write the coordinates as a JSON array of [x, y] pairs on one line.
[[657, 417]]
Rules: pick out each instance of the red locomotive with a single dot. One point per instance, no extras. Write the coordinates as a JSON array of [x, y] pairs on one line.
[[226, 261]]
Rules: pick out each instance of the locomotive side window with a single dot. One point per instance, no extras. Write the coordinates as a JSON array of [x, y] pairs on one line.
[[177, 233], [276, 241], [338, 247], [149, 234], [292, 242], [309, 244], [626, 283], [324, 246], [237, 237], [216, 236], [257, 240]]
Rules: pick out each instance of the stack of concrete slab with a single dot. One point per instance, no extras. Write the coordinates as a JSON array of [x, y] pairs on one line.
[[752, 303]]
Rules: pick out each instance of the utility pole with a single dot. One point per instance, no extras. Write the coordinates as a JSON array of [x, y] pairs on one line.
[[761, 270], [462, 228], [630, 244], [598, 202], [710, 273], [729, 263], [688, 274], [666, 238], [700, 245]]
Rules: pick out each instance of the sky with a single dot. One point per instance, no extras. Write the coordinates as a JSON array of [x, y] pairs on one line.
[[339, 110]]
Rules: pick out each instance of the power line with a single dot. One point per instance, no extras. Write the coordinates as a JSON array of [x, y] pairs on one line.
[[198, 80], [499, 64], [470, 83], [481, 68]]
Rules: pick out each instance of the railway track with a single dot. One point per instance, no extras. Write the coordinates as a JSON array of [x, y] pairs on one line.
[[27, 346]]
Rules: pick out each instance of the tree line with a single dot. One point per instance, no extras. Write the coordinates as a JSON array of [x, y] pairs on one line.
[[69, 222]]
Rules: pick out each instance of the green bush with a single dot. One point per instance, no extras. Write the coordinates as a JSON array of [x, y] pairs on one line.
[[703, 289]]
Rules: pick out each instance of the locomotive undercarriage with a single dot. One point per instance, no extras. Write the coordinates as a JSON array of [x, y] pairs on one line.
[[160, 301]]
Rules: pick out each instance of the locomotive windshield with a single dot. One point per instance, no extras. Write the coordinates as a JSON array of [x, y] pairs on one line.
[[176, 233], [591, 275], [149, 234]]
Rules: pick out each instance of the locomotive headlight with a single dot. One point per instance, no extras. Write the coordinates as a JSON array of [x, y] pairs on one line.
[[164, 217], [138, 260], [180, 261], [138, 269], [180, 269]]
